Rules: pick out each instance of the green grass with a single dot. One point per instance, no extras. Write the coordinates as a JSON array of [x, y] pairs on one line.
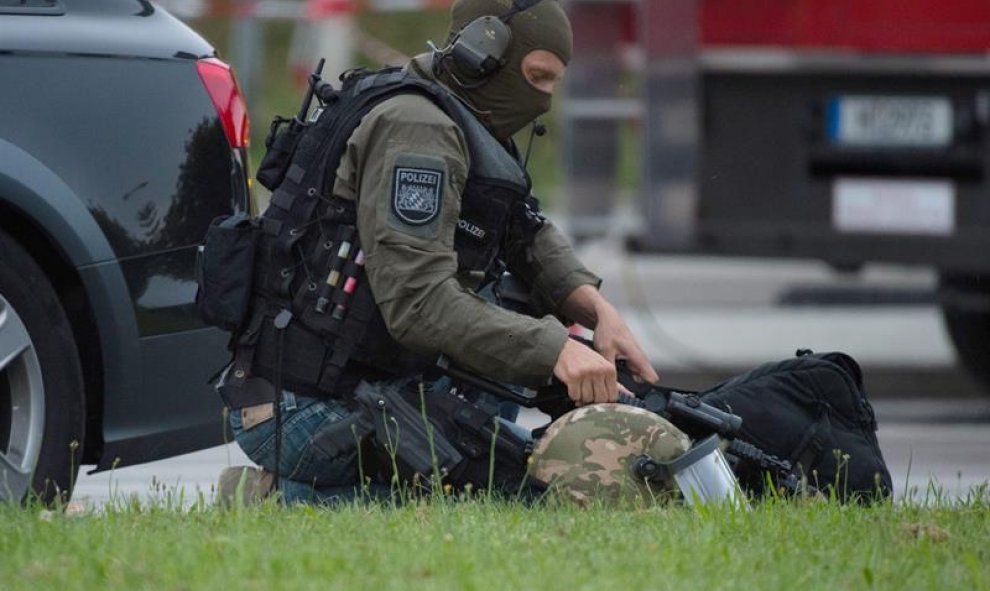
[[500, 545]]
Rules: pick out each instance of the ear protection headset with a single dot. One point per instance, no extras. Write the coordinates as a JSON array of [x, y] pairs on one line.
[[480, 46]]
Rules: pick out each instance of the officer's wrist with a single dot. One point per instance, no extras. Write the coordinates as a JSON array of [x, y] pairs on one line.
[[582, 305]]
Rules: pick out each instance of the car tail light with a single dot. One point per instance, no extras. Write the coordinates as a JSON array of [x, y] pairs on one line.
[[222, 87]]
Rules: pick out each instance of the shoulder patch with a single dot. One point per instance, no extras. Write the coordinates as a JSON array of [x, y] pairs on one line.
[[417, 193]]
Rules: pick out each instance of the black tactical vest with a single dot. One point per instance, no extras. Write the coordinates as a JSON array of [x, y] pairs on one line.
[[311, 299]]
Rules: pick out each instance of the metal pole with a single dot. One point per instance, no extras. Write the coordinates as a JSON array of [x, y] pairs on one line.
[[246, 48], [593, 115], [673, 102]]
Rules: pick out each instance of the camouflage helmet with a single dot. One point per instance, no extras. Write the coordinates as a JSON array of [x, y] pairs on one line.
[[586, 454]]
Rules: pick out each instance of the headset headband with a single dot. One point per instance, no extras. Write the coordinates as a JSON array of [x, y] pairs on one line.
[[517, 7]]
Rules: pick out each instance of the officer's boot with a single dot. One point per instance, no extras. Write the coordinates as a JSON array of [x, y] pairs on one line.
[[244, 485]]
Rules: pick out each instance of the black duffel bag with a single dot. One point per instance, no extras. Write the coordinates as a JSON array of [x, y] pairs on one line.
[[811, 410]]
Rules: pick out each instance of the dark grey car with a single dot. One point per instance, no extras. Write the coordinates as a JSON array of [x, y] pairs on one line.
[[121, 137]]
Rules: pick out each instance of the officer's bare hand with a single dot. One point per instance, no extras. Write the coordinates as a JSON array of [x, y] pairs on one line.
[[614, 340], [589, 377], [612, 337]]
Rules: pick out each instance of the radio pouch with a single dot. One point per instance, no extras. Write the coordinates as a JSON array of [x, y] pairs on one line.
[[283, 137], [224, 268]]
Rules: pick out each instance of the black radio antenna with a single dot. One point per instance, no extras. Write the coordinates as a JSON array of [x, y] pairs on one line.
[[314, 78]]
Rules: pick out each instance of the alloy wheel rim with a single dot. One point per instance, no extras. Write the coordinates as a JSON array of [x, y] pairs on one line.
[[22, 389]]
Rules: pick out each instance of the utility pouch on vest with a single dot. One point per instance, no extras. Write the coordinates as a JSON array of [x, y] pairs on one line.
[[224, 269], [283, 137]]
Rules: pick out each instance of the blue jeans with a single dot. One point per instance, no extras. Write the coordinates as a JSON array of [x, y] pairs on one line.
[[308, 472], [304, 467]]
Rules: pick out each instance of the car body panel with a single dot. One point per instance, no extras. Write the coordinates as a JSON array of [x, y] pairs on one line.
[[163, 290], [173, 410], [36, 191], [154, 186], [139, 29], [111, 147]]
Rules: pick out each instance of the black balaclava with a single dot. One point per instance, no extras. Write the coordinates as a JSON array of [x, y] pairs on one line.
[[505, 101]]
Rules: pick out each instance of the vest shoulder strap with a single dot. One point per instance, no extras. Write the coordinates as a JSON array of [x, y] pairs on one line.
[[323, 144]]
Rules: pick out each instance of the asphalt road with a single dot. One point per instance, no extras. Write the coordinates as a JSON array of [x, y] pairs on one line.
[[703, 319]]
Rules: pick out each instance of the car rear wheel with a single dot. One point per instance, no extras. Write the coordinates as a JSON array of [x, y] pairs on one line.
[[41, 388], [965, 301]]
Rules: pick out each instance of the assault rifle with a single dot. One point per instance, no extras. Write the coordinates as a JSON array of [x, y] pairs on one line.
[[685, 410]]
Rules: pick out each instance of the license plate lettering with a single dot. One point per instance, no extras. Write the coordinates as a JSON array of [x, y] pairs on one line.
[[890, 121]]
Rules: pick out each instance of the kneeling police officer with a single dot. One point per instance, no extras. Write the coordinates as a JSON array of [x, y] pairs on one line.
[[432, 186]]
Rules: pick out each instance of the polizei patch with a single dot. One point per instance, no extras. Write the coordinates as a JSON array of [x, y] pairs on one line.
[[416, 194]]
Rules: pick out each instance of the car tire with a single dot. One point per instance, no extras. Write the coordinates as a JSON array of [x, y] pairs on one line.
[[965, 303], [42, 410]]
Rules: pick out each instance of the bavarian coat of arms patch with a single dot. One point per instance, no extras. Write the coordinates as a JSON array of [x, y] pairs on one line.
[[416, 194]]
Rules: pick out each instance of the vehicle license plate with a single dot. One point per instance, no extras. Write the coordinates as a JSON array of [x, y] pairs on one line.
[[890, 121], [894, 206]]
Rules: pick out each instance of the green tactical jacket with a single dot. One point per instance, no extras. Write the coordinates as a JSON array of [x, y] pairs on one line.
[[427, 305]]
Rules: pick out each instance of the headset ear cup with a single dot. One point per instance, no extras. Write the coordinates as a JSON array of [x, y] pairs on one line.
[[481, 45]]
